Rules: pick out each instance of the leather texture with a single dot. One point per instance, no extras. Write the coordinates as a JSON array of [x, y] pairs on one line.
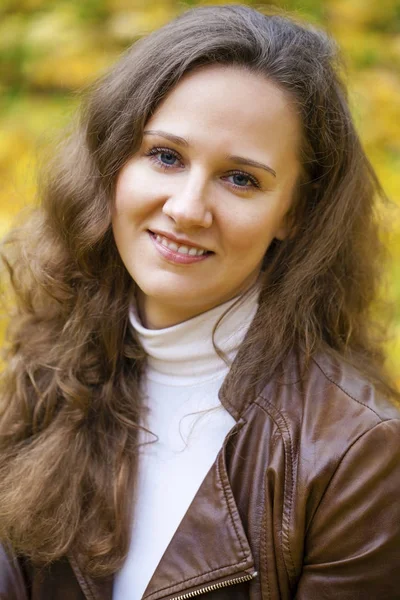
[[302, 502]]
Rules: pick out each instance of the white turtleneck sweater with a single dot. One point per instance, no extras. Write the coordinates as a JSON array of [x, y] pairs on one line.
[[183, 376]]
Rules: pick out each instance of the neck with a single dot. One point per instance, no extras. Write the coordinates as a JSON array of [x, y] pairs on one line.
[[185, 353], [156, 315]]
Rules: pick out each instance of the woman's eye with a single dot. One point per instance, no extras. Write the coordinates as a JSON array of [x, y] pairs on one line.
[[163, 157], [167, 158], [241, 180]]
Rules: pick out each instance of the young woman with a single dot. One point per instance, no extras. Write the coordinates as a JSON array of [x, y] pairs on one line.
[[194, 400]]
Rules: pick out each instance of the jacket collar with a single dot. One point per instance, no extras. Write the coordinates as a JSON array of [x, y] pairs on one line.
[[209, 547]]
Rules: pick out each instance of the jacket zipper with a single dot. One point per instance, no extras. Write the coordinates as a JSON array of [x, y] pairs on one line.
[[215, 586]]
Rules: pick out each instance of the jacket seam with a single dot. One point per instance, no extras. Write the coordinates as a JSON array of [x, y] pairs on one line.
[[292, 482], [263, 547], [83, 582], [346, 392], [287, 476], [230, 511]]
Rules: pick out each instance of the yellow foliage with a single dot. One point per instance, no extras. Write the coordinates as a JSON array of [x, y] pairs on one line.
[[362, 13], [17, 176], [49, 30], [126, 25], [12, 28], [379, 93], [66, 69], [116, 6]]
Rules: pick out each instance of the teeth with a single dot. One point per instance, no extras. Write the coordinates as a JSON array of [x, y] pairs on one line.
[[181, 249]]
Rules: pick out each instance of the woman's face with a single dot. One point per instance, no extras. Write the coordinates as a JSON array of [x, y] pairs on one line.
[[215, 172]]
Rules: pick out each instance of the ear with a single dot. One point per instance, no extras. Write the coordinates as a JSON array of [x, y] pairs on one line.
[[286, 227], [282, 233], [289, 225]]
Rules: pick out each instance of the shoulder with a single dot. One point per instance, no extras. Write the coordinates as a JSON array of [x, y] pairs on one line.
[[338, 449], [329, 395], [328, 412], [349, 388]]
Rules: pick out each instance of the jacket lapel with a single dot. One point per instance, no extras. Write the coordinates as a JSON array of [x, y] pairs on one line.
[[210, 544], [209, 547]]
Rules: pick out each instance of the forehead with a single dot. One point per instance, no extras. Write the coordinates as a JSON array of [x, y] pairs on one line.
[[231, 106]]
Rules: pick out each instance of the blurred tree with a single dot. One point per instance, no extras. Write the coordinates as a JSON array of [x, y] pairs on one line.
[[50, 49]]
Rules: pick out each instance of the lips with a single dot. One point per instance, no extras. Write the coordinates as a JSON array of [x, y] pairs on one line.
[[180, 248], [177, 252], [178, 244]]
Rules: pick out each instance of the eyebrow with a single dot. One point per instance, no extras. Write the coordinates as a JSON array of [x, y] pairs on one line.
[[240, 160]]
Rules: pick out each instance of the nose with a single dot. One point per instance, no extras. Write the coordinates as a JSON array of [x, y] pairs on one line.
[[187, 206]]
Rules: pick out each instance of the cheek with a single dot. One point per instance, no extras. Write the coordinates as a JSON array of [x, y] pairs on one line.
[[134, 193], [250, 234]]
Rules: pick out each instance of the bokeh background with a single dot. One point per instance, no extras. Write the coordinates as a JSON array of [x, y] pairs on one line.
[[51, 49]]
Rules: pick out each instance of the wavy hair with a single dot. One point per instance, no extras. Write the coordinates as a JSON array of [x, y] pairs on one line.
[[70, 389]]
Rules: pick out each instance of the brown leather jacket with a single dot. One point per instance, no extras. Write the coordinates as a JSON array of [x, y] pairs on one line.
[[303, 501]]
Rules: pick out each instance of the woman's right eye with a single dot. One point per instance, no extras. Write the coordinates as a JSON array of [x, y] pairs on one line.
[[163, 157]]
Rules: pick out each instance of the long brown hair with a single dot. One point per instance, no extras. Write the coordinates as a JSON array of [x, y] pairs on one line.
[[70, 393]]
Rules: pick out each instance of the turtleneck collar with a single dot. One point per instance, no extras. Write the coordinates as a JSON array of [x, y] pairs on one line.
[[184, 353]]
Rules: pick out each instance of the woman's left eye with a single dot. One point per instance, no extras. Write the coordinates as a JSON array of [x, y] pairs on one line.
[[165, 158], [243, 177]]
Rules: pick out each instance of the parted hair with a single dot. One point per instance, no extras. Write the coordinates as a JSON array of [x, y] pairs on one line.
[[70, 388]]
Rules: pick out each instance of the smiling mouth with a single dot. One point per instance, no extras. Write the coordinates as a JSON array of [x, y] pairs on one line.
[[179, 248], [178, 254]]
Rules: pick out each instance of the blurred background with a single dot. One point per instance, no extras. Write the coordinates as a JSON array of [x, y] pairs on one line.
[[51, 49]]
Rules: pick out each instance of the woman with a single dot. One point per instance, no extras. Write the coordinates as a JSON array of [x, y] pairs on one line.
[[194, 400]]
